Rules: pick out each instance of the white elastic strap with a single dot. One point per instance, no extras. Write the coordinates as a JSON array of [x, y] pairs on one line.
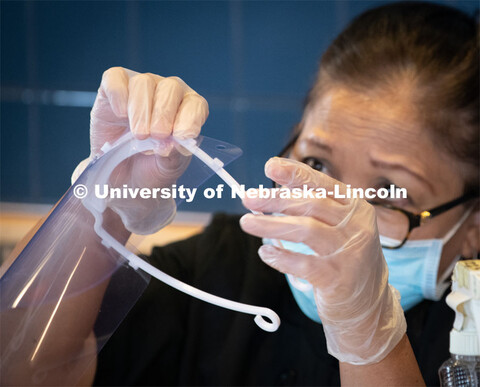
[[443, 281], [455, 228]]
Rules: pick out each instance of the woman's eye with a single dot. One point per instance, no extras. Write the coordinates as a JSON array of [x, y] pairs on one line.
[[394, 195], [314, 163]]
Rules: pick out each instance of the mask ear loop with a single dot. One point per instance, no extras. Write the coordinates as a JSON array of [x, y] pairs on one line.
[[123, 148], [443, 282], [217, 166]]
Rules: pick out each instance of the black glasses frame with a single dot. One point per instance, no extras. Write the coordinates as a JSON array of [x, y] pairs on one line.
[[417, 220]]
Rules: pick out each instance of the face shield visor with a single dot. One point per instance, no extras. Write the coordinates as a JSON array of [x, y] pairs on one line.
[[78, 277]]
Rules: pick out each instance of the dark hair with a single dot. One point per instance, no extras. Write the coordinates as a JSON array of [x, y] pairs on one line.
[[437, 47]]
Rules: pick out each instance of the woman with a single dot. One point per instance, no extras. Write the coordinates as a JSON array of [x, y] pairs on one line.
[[395, 102]]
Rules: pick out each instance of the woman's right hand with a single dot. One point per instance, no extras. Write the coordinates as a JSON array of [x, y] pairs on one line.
[[149, 106]]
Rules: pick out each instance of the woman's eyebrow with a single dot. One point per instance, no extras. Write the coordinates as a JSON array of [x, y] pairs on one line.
[[396, 165], [319, 143]]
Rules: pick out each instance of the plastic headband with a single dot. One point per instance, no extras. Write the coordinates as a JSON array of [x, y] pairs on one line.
[[122, 149]]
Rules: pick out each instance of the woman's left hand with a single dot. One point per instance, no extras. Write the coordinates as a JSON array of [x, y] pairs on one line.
[[360, 312]]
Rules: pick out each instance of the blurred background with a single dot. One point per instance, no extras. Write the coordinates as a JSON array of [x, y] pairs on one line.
[[253, 62]]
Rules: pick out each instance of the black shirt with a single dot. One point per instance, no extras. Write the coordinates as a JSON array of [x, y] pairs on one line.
[[170, 338]]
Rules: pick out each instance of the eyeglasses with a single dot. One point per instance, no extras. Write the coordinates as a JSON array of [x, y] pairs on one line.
[[397, 223]]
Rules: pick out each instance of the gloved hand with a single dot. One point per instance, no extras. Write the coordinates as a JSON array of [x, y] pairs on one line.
[[360, 312], [148, 105]]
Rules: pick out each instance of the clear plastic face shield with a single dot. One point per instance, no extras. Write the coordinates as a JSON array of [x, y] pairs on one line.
[[78, 277]]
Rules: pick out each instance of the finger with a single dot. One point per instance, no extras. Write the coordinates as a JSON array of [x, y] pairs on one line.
[[191, 116], [288, 262], [322, 273], [115, 87], [323, 239], [168, 98], [140, 104], [292, 173], [294, 229], [325, 210]]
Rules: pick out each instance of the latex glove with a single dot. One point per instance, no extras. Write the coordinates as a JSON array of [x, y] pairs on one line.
[[361, 314], [148, 105]]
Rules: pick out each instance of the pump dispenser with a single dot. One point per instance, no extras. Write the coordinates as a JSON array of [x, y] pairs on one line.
[[463, 367]]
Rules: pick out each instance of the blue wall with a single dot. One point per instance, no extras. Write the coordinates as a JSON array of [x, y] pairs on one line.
[[253, 61]]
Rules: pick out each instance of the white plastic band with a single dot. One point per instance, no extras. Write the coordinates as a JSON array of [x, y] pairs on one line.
[[125, 147], [192, 147]]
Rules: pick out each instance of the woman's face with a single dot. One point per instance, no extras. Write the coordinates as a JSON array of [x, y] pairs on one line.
[[375, 142]]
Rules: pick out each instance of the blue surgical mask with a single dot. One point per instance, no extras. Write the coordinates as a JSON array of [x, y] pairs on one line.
[[413, 271], [413, 268]]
